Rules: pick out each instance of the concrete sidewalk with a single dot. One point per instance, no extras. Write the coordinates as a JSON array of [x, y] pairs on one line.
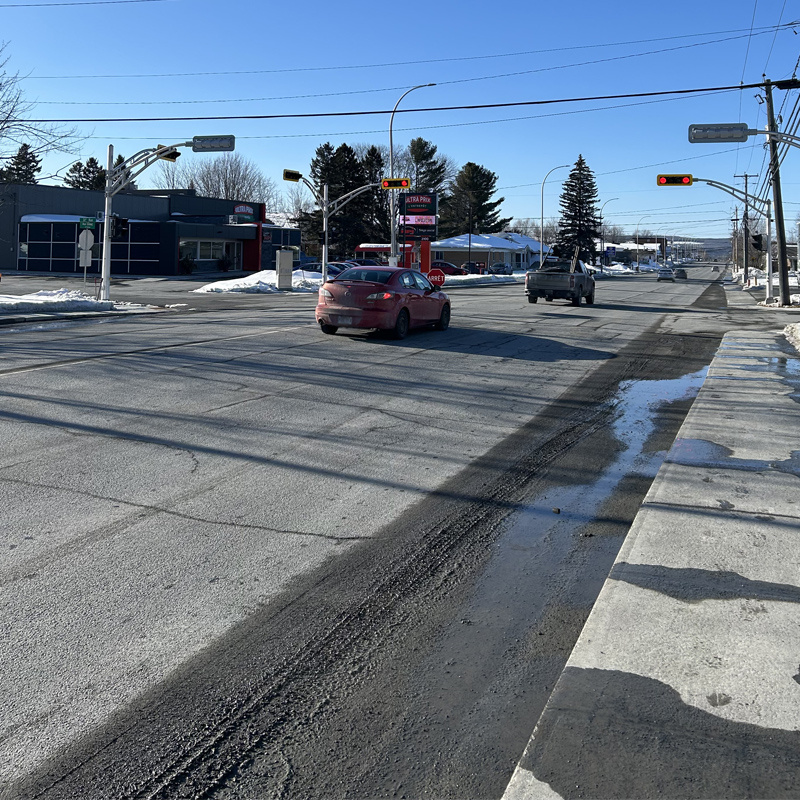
[[685, 682]]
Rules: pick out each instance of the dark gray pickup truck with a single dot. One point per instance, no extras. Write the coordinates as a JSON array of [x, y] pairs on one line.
[[558, 279]]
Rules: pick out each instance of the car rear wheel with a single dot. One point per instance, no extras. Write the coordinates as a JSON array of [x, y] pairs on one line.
[[329, 329], [444, 319], [532, 299], [401, 325], [576, 300]]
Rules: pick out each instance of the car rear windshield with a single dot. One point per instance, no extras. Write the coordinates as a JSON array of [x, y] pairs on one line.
[[365, 274]]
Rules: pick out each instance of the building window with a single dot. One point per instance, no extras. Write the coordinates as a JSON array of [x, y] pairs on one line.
[[23, 249]]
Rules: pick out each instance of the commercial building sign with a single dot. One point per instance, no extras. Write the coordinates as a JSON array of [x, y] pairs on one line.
[[417, 222], [244, 212]]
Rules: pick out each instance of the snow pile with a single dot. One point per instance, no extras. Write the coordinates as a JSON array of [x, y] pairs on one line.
[[264, 282], [57, 300], [758, 280], [792, 333]]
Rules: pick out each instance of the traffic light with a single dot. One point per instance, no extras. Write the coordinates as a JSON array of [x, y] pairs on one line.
[[292, 175], [396, 183], [112, 226], [169, 155], [121, 227], [758, 241], [674, 180]]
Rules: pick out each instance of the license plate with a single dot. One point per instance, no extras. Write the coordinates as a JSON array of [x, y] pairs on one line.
[[344, 320]]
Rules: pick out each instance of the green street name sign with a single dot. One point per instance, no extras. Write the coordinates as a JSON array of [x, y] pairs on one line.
[[88, 223]]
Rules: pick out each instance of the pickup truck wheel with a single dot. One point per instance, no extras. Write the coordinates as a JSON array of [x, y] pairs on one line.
[[532, 299], [590, 298], [576, 300]]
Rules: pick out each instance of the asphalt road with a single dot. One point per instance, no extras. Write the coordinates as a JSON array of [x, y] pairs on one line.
[[242, 559]]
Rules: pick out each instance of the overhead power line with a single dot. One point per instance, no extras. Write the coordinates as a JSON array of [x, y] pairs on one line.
[[471, 107], [329, 68], [78, 3]]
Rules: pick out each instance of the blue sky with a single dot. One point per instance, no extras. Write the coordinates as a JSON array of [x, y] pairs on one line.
[[170, 58]]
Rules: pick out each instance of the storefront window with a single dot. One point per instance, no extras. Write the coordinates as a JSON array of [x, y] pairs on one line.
[[188, 248], [205, 251], [23, 249]]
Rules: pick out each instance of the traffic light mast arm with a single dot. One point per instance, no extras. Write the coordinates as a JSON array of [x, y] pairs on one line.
[[762, 206], [123, 174], [346, 198]]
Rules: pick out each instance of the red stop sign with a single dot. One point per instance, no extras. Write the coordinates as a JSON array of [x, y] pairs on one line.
[[436, 277]]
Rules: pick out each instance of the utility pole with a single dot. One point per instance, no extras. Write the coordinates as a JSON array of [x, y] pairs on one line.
[[735, 222], [746, 228], [777, 198]]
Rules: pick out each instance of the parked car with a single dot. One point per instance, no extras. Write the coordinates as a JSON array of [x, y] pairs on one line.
[[333, 267], [499, 268], [680, 272], [448, 268], [665, 274], [383, 298], [558, 279], [471, 267], [364, 262]]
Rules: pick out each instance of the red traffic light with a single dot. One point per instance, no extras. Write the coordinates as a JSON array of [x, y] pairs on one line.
[[674, 180], [396, 183]]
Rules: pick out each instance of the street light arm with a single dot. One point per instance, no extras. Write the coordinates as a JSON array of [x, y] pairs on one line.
[[122, 174], [758, 203], [346, 198], [393, 245]]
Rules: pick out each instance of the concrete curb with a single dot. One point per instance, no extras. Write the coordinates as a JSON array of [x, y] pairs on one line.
[[685, 681], [62, 316]]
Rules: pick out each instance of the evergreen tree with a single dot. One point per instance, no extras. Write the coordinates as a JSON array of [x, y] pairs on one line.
[[469, 194], [343, 171], [376, 201], [429, 171], [23, 167], [579, 225], [86, 176]]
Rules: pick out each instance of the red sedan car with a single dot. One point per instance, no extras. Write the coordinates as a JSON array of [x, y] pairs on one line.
[[386, 298]]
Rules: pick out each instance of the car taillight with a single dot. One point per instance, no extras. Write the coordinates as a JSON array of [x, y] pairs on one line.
[[380, 296], [324, 293]]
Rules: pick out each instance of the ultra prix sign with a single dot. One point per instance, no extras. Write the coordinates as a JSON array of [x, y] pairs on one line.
[[245, 212], [418, 217]]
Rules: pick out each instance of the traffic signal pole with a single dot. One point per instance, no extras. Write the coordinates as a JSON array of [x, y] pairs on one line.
[[777, 199], [117, 178], [105, 269], [746, 226]]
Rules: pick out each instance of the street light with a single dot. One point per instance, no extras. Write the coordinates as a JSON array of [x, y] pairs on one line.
[[327, 207], [658, 231], [121, 175], [603, 231], [541, 226], [637, 241], [393, 252]]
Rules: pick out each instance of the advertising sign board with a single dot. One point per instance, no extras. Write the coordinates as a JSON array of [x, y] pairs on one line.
[[417, 222]]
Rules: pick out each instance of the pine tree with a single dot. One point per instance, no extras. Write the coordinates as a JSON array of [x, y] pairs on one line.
[[579, 225], [23, 167], [376, 200], [86, 176], [429, 171], [471, 189], [343, 171]]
